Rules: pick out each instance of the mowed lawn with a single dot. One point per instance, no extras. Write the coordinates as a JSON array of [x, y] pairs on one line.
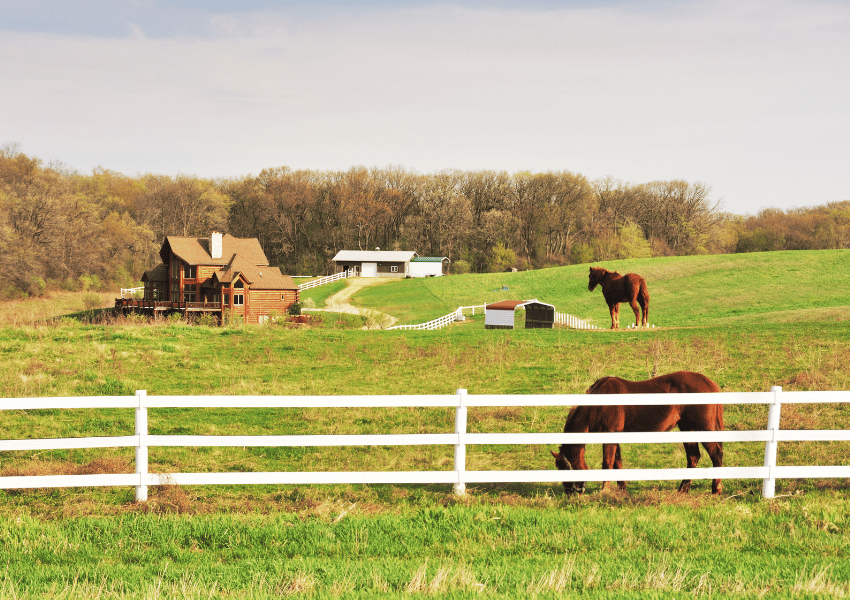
[[748, 321]]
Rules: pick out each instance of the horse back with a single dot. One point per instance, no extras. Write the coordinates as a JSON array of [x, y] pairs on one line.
[[656, 418]]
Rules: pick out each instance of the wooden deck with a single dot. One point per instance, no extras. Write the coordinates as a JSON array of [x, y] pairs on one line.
[[148, 307]]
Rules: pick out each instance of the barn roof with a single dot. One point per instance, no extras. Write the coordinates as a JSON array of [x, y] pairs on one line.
[[429, 259], [374, 255]]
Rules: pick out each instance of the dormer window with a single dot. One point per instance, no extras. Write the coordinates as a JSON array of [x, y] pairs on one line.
[[238, 284]]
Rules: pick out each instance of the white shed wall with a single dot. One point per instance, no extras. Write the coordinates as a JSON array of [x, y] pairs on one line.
[[426, 269], [499, 317]]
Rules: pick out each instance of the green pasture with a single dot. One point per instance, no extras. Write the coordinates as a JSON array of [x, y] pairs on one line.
[[692, 291], [748, 321]]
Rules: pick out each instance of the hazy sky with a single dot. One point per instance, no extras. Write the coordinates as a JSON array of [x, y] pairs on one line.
[[751, 97]]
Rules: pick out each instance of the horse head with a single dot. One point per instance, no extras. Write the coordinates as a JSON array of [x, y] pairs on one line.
[[569, 454], [595, 277]]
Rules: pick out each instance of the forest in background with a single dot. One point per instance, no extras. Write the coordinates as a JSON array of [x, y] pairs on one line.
[[60, 229]]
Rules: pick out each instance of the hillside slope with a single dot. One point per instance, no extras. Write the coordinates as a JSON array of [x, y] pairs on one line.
[[684, 291]]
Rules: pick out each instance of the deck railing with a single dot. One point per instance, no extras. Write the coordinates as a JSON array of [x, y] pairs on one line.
[[459, 477]]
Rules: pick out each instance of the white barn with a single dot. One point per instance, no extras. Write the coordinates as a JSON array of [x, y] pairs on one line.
[[429, 266], [389, 263]]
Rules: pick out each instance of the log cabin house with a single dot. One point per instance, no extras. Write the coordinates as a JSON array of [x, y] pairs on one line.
[[218, 275]]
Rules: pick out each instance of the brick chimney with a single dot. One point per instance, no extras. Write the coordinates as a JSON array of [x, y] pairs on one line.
[[215, 245]]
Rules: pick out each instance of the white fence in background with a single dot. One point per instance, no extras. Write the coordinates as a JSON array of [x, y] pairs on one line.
[[460, 438], [442, 321], [560, 319], [324, 280], [130, 292], [571, 321]]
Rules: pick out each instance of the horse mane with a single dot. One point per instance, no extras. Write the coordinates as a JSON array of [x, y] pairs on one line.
[[596, 385]]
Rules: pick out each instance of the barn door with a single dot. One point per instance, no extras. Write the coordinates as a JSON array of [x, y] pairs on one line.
[[370, 269]]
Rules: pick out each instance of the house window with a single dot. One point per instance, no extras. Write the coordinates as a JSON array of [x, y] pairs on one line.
[[189, 293], [394, 269], [238, 284], [238, 299], [225, 298], [175, 292], [190, 272]]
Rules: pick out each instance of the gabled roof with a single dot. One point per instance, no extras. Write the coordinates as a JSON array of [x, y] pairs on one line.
[[158, 273], [374, 255], [258, 277], [514, 304], [196, 251], [429, 259]]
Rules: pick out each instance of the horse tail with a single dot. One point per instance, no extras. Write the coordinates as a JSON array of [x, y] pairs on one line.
[[643, 300]]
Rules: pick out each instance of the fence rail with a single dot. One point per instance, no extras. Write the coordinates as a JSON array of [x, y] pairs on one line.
[[560, 319], [323, 280], [130, 292], [769, 471]]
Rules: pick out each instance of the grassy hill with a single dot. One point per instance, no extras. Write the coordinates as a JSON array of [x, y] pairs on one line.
[[748, 321], [684, 291]]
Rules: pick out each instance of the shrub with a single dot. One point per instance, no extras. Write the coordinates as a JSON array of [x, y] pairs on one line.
[[460, 267]]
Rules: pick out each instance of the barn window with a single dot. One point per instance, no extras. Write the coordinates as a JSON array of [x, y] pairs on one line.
[[394, 269], [238, 299]]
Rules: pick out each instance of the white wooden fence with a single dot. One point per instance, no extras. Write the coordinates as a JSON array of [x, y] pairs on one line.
[[448, 319], [571, 321], [560, 319], [769, 471], [324, 280]]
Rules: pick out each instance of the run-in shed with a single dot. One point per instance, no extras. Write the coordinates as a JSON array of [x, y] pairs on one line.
[[500, 315]]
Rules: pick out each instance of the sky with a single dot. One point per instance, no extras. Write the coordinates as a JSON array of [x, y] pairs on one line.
[[751, 97]]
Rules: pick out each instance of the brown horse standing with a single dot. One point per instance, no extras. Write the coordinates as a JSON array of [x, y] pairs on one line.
[[689, 417], [618, 288]]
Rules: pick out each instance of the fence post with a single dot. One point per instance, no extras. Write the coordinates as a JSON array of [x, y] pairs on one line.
[[141, 450], [460, 448], [768, 489]]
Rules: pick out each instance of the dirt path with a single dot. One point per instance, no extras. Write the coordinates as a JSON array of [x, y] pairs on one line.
[[341, 301]]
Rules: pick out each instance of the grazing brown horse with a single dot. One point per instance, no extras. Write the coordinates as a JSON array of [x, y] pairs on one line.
[[689, 417], [618, 288]]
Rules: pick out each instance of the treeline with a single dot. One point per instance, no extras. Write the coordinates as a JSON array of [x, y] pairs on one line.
[[62, 229]]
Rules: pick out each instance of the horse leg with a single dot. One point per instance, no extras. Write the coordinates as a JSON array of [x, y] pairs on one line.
[[615, 315], [610, 454], [715, 452], [643, 300], [618, 464], [636, 310], [693, 454]]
